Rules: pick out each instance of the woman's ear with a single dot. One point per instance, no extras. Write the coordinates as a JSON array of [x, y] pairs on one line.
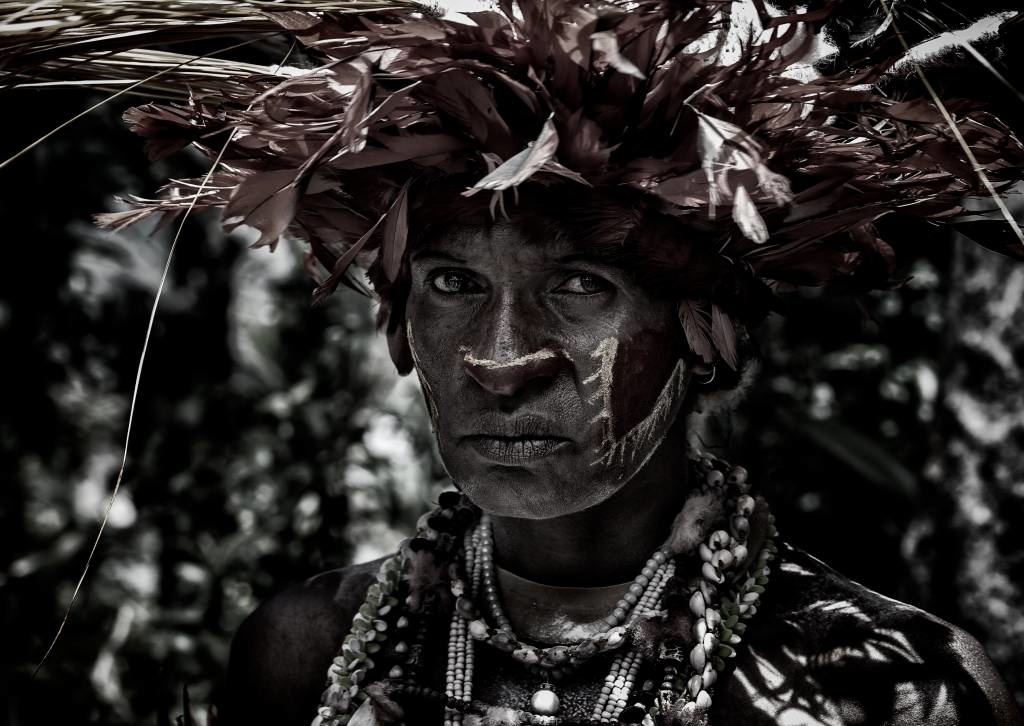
[[715, 392], [398, 338]]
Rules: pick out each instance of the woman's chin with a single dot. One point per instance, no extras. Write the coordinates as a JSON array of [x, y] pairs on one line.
[[528, 500]]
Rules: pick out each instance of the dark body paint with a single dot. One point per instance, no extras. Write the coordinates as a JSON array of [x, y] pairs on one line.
[[822, 645]]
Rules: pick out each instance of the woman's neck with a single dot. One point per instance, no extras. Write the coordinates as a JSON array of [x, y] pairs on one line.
[[603, 545]]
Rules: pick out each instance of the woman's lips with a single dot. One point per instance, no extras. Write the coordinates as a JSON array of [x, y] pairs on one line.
[[517, 449]]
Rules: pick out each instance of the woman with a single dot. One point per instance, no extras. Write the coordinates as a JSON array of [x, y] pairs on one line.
[[572, 213], [559, 382]]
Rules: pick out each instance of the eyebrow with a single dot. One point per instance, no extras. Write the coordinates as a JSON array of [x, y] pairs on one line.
[[588, 256], [427, 254]]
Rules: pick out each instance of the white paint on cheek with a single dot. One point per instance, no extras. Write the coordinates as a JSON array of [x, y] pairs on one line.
[[636, 446], [605, 352], [522, 360]]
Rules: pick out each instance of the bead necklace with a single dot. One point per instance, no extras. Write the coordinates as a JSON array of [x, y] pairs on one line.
[[689, 672], [544, 703], [557, 660]]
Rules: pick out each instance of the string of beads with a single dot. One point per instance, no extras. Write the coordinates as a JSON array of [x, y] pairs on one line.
[[689, 667]]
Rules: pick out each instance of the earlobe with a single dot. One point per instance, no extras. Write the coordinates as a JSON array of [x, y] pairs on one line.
[[398, 344]]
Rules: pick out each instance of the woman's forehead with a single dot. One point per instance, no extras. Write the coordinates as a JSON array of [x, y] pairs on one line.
[[507, 240]]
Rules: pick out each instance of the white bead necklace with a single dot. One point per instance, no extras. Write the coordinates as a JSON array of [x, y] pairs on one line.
[[717, 630], [643, 597]]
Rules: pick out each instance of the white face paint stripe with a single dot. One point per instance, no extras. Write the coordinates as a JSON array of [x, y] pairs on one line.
[[515, 362], [605, 351], [651, 431]]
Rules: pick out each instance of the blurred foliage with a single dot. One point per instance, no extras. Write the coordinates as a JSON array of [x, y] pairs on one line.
[[273, 440]]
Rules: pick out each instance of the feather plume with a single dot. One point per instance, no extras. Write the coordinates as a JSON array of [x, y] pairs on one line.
[[697, 329]]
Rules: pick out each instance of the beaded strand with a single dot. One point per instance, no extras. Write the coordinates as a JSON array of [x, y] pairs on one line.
[[556, 660], [619, 682], [689, 673]]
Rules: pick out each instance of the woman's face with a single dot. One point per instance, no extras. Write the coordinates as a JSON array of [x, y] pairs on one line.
[[551, 376]]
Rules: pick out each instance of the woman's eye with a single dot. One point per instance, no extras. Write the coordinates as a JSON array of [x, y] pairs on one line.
[[583, 285], [452, 283]]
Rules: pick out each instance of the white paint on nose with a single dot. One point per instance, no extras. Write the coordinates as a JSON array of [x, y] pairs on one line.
[[543, 354]]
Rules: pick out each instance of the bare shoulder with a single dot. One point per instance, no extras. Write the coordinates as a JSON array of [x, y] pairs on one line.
[[829, 650], [280, 654]]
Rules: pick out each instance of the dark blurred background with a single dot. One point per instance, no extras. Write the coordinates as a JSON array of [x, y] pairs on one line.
[[272, 439]]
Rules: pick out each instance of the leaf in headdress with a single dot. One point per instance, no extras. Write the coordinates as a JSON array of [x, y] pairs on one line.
[[341, 265], [917, 110], [747, 218], [688, 190], [523, 165], [712, 135], [526, 94], [120, 220], [697, 329], [396, 233], [553, 167], [867, 237], [265, 201], [724, 335], [725, 147], [994, 234], [583, 147], [774, 185], [463, 97], [606, 43], [167, 129], [354, 130], [414, 147], [489, 23]]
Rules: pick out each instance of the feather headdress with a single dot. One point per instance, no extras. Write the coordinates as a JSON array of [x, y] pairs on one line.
[[791, 169]]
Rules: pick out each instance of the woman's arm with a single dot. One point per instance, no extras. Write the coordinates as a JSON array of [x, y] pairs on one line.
[[280, 654]]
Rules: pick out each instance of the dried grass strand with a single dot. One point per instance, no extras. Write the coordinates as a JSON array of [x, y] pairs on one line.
[[968, 152], [110, 98], [135, 391]]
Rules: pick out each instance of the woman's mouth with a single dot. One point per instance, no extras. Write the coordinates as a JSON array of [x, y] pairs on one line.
[[516, 450]]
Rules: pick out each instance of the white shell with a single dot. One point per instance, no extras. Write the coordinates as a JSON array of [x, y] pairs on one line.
[[545, 703], [709, 642], [722, 559], [719, 539], [700, 628], [478, 629], [698, 657], [740, 553], [616, 636], [705, 552], [526, 655], [711, 574], [703, 701], [697, 605]]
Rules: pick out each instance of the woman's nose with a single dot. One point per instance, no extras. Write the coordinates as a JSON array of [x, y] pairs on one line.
[[508, 376], [508, 357]]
